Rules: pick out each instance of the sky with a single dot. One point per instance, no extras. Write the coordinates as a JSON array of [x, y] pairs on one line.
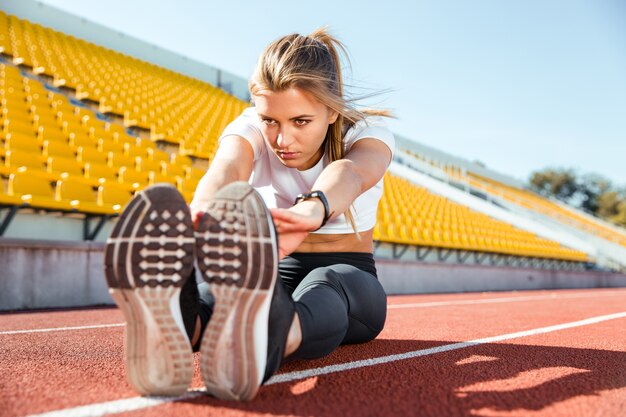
[[517, 85]]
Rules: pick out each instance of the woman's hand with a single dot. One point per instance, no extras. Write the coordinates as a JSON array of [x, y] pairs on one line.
[[294, 224], [196, 215]]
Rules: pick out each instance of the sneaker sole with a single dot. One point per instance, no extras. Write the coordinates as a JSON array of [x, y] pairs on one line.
[[237, 254], [148, 258]]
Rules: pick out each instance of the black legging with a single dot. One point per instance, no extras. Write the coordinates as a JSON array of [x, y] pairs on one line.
[[338, 299]]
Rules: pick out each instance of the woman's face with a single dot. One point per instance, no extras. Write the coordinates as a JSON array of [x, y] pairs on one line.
[[294, 124]]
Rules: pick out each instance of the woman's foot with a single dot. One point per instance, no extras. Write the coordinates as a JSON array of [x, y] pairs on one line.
[[244, 342], [148, 258]]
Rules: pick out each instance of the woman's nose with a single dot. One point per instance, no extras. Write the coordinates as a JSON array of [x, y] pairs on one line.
[[283, 141]]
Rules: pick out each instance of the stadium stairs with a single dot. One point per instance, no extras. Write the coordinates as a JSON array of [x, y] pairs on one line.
[[84, 126]]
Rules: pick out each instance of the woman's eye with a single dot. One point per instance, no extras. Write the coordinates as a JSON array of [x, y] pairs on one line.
[[269, 122], [301, 122]]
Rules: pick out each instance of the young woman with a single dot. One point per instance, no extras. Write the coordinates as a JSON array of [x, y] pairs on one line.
[[294, 280]]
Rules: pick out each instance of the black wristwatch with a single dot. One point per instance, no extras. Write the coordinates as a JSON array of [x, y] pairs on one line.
[[320, 196]]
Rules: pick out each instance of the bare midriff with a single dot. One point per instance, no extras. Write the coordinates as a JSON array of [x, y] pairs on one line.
[[338, 243]]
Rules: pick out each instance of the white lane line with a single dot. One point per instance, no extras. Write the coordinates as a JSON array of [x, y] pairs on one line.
[[60, 329], [136, 403], [552, 296], [507, 299], [118, 406], [293, 376]]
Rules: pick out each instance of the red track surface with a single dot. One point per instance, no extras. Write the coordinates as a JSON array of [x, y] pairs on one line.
[[574, 371]]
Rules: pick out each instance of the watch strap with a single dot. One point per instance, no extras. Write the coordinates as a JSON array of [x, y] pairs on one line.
[[320, 196]]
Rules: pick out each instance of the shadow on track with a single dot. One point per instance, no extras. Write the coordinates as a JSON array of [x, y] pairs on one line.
[[491, 378]]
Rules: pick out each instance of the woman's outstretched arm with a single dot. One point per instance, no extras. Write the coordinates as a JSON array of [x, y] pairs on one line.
[[342, 181], [233, 161]]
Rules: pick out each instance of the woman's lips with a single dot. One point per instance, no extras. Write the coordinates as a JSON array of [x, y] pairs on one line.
[[288, 155]]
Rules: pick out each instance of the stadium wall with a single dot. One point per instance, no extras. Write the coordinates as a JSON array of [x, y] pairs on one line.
[[43, 14], [47, 274]]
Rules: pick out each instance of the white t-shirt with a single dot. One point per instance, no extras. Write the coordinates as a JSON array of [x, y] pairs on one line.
[[279, 185]]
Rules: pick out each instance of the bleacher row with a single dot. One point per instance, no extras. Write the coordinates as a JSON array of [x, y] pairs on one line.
[[534, 202], [171, 106], [59, 155], [527, 199], [411, 214], [73, 159]]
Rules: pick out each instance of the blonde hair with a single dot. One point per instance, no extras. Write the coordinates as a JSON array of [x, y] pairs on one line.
[[312, 63]]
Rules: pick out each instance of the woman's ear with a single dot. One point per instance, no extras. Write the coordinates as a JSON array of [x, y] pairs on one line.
[[332, 116]]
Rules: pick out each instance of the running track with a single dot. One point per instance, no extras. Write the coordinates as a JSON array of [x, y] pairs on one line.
[[543, 353]]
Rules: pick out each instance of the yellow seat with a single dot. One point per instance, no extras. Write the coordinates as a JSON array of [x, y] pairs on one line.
[[133, 151], [181, 160], [64, 167], [52, 133], [120, 160], [57, 149], [145, 165], [20, 126], [113, 197], [146, 144], [99, 172], [86, 154], [82, 140], [105, 145], [16, 158], [80, 196], [186, 186], [155, 178], [35, 190], [132, 177], [22, 142], [7, 199], [173, 170], [195, 173], [157, 155]]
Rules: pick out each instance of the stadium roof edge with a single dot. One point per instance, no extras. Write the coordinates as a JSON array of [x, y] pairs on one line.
[[62, 21], [442, 157]]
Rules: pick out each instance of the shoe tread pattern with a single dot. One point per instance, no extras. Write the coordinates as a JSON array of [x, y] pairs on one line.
[[148, 257], [237, 254]]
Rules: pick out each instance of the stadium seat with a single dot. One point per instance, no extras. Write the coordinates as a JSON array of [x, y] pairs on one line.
[[57, 149], [173, 170], [113, 197], [22, 142], [99, 172], [144, 165], [82, 141], [157, 155], [181, 160], [105, 145], [86, 154], [133, 151], [16, 158], [130, 176], [35, 191], [80, 196], [64, 167], [118, 159]]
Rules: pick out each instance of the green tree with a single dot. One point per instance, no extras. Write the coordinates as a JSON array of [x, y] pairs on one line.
[[620, 217], [608, 204], [590, 192], [557, 183]]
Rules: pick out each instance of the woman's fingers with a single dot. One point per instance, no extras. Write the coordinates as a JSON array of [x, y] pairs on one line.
[[287, 221], [196, 215]]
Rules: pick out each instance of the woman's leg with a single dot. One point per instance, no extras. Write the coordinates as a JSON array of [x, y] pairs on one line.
[[338, 304]]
